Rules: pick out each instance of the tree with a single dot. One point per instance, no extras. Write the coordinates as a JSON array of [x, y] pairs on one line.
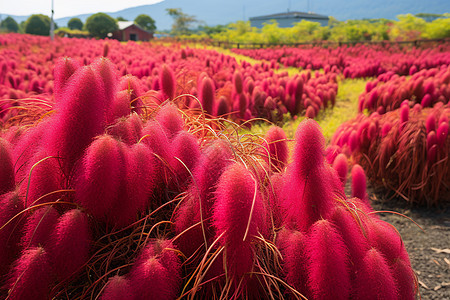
[[100, 24], [9, 25], [38, 24], [182, 21], [75, 23], [122, 19], [146, 22]]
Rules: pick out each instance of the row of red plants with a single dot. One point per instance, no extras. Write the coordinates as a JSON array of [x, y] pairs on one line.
[[356, 61], [223, 86], [388, 91], [406, 150], [108, 193]]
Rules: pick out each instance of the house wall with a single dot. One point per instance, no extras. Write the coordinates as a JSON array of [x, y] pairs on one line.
[[124, 35], [286, 22]]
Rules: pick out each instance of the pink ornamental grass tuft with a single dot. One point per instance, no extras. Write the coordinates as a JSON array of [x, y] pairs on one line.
[[308, 191], [154, 135], [7, 182], [64, 68], [327, 265], [166, 253], [128, 129], [405, 280], [442, 133], [292, 245], [238, 82], [385, 238], [99, 177], [340, 164], [118, 288], [134, 87], [359, 185], [81, 115], [207, 94], [185, 147], [277, 147], [239, 215], [31, 276], [39, 227], [150, 280], [170, 119], [44, 176], [374, 279], [70, 243], [120, 106], [10, 206], [167, 82], [109, 75], [430, 123]]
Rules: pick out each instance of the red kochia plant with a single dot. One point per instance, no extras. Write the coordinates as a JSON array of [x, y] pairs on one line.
[[340, 164], [81, 115], [307, 194], [277, 148], [10, 205], [185, 147], [99, 177], [118, 288], [39, 227], [64, 68], [6, 167], [31, 275], [44, 177], [127, 129], [327, 262], [374, 279], [239, 215], [167, 82], [292, 245], [359, 183], [170, 119], [156, 272], [70, 243], [207, 94], [200, 199]]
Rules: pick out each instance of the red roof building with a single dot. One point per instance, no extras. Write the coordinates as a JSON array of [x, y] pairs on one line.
[[128, 31]]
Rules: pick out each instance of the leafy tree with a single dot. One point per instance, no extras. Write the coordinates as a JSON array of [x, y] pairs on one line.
[[9, 25], [100, 24], [122, 19], [182, 22], [38, 24], [146, 22], [75, 23], [408, 27]]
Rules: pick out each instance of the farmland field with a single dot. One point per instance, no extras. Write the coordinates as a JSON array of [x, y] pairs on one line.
[[158, 171]]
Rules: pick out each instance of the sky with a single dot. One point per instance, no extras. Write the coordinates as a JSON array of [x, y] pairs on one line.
[[66, 8]]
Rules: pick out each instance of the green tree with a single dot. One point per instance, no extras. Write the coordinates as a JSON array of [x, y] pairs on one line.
[[9, 25], [75, 23], [146, 22], [121, 19], [182, 22], [100, 24], [38, 24]]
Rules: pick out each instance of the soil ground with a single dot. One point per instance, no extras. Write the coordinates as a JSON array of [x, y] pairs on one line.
[[429, 250]]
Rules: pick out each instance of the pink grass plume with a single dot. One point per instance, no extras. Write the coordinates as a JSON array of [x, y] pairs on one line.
[[39, 227], [167, 82], [239, 215], [7, 182], [359, 184], [340, 164], [327, 265], [170, 119], [374, 279], [65, 67], [71, 243], [31, 276], [276, 147], [118, 288]]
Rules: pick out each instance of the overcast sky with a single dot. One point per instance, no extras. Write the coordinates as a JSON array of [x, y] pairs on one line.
[[66, 8]]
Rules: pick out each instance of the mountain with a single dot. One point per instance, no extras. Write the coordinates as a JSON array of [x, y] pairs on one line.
[[214, 12]]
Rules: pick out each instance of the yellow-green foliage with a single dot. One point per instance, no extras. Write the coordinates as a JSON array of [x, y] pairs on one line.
[[408, 27]]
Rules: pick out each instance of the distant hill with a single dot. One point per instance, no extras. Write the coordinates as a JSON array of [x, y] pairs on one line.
[[214, 12]]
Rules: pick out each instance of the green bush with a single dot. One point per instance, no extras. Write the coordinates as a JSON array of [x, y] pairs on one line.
[[100, 24], [38, 24]]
